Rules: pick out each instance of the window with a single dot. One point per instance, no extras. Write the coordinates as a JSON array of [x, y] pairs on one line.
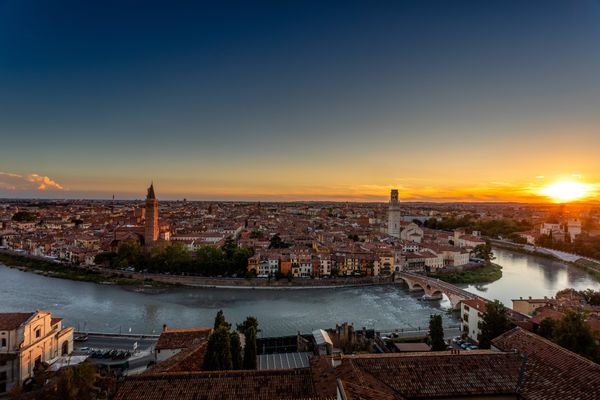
[[3, 342], [38, 333]]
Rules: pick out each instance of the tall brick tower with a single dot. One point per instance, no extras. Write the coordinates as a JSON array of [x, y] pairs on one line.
[[151, 230]]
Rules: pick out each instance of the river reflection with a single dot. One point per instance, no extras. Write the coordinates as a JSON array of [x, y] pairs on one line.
[[115, 309], [524, 275]]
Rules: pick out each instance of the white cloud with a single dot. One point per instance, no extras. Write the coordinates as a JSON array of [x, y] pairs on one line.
[[16, 182]]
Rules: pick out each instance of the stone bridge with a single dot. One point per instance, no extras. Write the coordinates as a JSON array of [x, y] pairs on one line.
[[434, 288]]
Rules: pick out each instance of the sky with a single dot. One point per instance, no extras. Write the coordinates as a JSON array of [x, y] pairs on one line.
[[298, 100]]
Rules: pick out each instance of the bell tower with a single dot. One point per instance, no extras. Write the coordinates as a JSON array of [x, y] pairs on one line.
[[394, 215], [151, 231]]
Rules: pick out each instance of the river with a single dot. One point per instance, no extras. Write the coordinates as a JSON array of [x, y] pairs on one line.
[[92, 307]]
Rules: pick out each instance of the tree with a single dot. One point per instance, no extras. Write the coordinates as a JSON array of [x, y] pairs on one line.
[[591, 296], [236, 351], [495, 322], [220, 321], [436, 333], [107, 258], [547, 328], [129, 253], [277, 243], [229, 247], [484, 252], [24, 216], [250, 349], [250, 322], [218, 351], [574, 333]]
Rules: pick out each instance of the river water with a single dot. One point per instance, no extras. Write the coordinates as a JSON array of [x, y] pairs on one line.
[[92, 307]]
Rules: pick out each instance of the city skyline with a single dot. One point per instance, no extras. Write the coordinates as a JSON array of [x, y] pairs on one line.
[[452, 101]]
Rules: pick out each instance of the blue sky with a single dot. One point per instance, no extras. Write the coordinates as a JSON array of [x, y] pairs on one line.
[[296, 99]]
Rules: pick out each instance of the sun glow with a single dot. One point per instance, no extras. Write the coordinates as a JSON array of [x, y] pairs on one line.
[[566, 191]]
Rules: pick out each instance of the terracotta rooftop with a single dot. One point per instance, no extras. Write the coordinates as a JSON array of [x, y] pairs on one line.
[[552, 372], [544, 313], [456, 375], [181, 338], [189, 360], [477, 304], [11, 321], [221, 385]]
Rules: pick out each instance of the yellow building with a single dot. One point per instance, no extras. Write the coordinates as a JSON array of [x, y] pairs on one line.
[[27, 339]]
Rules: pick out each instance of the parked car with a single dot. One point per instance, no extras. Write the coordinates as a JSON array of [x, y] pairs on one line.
[[472, 347], [464, 346], [81, 338]]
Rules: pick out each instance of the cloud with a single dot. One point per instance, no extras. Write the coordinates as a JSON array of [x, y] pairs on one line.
[[43, 182], [16, 182]]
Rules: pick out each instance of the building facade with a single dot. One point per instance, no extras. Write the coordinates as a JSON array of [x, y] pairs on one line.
[[394, 215], [151, 228], [26, 340]]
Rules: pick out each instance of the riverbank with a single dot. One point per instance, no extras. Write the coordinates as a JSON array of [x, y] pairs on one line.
[[582, 263], [149, 283], [63, 271], [485, 274]]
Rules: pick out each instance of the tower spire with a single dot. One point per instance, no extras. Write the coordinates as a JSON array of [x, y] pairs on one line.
[[151, 195]]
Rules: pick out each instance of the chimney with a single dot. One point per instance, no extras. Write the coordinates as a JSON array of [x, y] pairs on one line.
[[165, 327]]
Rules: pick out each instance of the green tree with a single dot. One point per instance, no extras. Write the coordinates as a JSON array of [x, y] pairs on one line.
[[591, 296], [250, 349], [129, 254], [108, 258], [236, 351], [229, 247], [494, 322], [220, 321], [277, 243], [574, 333], [218, 352], [250, 322], [547, 328], [484, 252], [436, 333], [172, 258], [24, 216]]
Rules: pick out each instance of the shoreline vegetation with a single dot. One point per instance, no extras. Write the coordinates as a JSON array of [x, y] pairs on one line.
[[581, 264], [62, 271], [486, 274], [150, 282]]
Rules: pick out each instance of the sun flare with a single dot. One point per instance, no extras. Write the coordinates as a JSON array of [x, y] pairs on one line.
[[566, 191]]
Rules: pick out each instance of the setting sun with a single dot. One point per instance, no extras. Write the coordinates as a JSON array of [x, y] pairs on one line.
[[566, 191]]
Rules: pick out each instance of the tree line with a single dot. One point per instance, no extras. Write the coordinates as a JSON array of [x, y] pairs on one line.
[[583, 245], [572, 332], [490, 227], [176, 258], [224, 350]]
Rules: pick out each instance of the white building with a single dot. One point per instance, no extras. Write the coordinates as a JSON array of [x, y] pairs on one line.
[[26, 340], [471, 316], [412, 232], [325, 265]]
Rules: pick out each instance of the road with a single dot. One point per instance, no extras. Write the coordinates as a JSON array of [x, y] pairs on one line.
[[138, 360]]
